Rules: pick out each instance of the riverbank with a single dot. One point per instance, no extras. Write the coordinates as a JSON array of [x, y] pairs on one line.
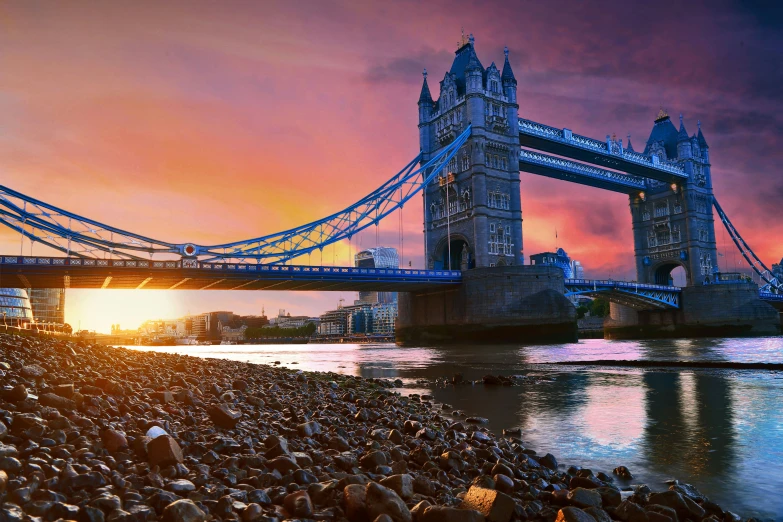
[[255, 442]]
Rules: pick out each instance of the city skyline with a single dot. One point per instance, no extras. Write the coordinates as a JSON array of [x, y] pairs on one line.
[[195, 131]]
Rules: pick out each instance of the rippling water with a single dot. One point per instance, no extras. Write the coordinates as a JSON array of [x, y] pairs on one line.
[[721, 430]]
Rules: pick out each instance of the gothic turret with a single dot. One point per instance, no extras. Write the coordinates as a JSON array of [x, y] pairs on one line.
[[425, 100], [702, 141], [683, 142], [509, 81], [629, 147]]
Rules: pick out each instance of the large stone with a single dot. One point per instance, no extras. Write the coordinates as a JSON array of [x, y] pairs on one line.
[[401, 484], [548, 461], [113, 440], [384, 501], [684, 506], [64, 390], [449, 514], [33, 370], [598, 514], [355, 502], [610, 497], [494, 505], [583, 498], [298, 504], [183, 511], [283, 464], [3, 481], [573, 514], [308, 429], [629, 511], [224, 416], [372, 460], [164, 397], [164, 450]]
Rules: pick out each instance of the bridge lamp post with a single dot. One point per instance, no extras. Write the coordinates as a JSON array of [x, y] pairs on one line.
[[642, 196]]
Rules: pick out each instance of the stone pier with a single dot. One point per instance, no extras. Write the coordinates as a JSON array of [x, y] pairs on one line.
[[722, 310], [511, 304]]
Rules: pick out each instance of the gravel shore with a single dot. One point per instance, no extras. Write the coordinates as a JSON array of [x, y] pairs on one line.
[[94, 434]]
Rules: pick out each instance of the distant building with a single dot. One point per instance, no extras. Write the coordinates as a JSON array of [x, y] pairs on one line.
[[48, 305], [233, 334], [15, 309], [577, 270], [559, 259], [384, 318], [334, 322], [360, 319], [379, 257], [777, 270]]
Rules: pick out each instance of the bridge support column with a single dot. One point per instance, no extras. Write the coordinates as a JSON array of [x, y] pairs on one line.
[[511, 304], [724, 310]]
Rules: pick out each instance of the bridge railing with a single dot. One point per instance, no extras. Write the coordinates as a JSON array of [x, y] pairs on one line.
[[567, 137], [621, 284], [186, 264]]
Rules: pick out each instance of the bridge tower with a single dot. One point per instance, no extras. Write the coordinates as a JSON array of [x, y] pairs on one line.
[[472, 211], [673, 225]]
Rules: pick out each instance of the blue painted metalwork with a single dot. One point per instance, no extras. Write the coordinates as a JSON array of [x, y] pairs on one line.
[[566, 170], [78, 236], [607, 153], [188, 273], [773, 285], [635, 295]]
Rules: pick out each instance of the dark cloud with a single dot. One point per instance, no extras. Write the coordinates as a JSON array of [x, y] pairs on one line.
[[406, 69]]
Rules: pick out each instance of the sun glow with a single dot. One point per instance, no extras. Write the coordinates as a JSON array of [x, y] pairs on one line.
[[99, 309]]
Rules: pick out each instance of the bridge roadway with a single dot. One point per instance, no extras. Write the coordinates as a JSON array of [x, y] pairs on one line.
[[189, 274]]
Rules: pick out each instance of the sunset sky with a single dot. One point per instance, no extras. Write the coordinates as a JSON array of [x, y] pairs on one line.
[[217, 121]]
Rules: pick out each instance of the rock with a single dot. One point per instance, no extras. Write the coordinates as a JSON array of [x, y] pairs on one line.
[[449, 514], [629, 511], [401, 484], [163, 450], [181, 486], [283, 464], [298, 504], [383, 518], [224, 416], [492, 380], [164, 397], [684, 506], [583, 498], [598, 514], [32, 370], [114, 441], [355, 502], [183, 511], [494, 505], [308, 429], [3, 481], [16, 394], [381, 500], [610, 497], [252, 512], [372, 460], [573, 514], [548, 461], [623, 473]]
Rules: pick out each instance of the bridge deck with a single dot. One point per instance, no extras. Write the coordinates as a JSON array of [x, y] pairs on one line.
[[567, 144], [48, 272], [559, 168]]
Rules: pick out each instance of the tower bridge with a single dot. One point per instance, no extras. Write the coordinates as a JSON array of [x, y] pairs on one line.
[[475, 285]]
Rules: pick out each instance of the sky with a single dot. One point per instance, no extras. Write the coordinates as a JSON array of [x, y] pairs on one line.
[[207, 122]]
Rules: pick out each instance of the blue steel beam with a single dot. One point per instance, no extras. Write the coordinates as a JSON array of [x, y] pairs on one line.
[[190, 274], [566, 170], [565, 143], [636, 295]]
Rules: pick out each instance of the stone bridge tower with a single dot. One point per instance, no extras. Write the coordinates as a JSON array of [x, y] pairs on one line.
[[472, 211], [673, 225]]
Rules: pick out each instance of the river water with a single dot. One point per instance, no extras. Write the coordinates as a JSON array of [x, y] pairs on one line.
[[720, 430]]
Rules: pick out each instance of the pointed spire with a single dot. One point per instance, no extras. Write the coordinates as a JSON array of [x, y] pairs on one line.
[[683, 134], [629, 147], [702, 141], [425, 96], [508, 74], [473, 62]]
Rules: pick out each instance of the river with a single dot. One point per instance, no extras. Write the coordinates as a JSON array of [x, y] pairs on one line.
[[720, 430]]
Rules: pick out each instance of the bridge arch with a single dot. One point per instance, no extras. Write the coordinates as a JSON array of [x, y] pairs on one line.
[[462, 254], [662, 273]]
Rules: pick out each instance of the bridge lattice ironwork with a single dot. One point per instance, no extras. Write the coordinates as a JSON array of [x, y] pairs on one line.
[[82, 237]]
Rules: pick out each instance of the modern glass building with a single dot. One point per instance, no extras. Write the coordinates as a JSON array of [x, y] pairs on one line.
[[48, 305], [15, 307], [380, 257]]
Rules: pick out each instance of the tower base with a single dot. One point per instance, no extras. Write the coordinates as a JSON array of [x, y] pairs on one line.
[[498, 305], [724, 310]]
